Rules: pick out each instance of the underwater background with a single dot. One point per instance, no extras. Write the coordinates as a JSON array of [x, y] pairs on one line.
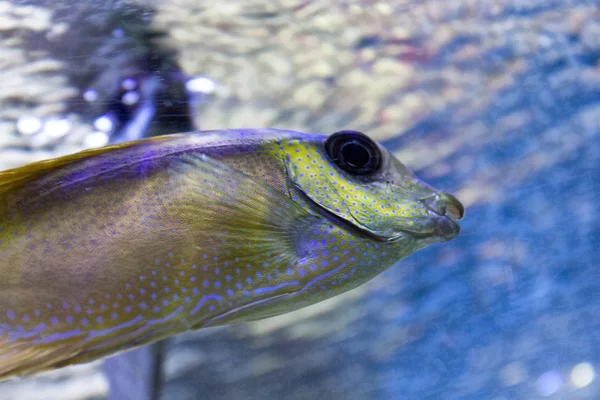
[[496, 101]]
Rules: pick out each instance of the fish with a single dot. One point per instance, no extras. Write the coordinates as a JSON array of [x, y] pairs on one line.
[[112, 248]]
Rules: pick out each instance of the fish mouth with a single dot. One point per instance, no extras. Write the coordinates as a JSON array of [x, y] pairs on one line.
[[445, 205], [446, 210]]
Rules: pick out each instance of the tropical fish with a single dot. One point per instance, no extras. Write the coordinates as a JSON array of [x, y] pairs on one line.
[[113, 248]]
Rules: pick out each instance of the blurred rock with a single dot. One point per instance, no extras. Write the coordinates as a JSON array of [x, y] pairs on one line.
[[65, 64]]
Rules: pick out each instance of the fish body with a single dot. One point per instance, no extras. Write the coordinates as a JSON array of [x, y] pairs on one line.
[[113, 248]]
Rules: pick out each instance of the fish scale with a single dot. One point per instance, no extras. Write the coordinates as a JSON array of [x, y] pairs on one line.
[[108, 250]]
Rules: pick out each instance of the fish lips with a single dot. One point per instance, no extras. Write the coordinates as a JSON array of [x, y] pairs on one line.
[[446, 229], [444, 210], [447, 210]]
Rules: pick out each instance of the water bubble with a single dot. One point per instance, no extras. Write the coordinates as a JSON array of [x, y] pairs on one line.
[[130, 98], [90, 95], [201, 84], [549, 383], [57, 128], [513, 374], [129, 84], [103, 124], [582, 375], [96, 139], [28, 125]]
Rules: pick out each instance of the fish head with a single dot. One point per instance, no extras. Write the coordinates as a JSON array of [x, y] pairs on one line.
[[356, 181]]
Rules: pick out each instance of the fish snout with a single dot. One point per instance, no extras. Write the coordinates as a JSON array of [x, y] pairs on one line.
[[453, 207], [450, 210], [445, 205]]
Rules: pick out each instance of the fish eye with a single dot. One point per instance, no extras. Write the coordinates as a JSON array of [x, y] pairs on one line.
[[354, 152]]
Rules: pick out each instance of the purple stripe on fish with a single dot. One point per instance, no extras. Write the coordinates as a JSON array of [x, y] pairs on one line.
[[269, 289], [203, 300], [20, 333], [167, 318], [57, 336], [324, 276], [116, 328]]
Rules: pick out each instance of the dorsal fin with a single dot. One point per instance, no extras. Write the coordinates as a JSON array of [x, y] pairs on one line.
[[16, 177]]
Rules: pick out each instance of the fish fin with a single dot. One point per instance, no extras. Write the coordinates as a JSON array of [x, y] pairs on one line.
[[16, 177], [239, 203], [237, 208], [22, 359]]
